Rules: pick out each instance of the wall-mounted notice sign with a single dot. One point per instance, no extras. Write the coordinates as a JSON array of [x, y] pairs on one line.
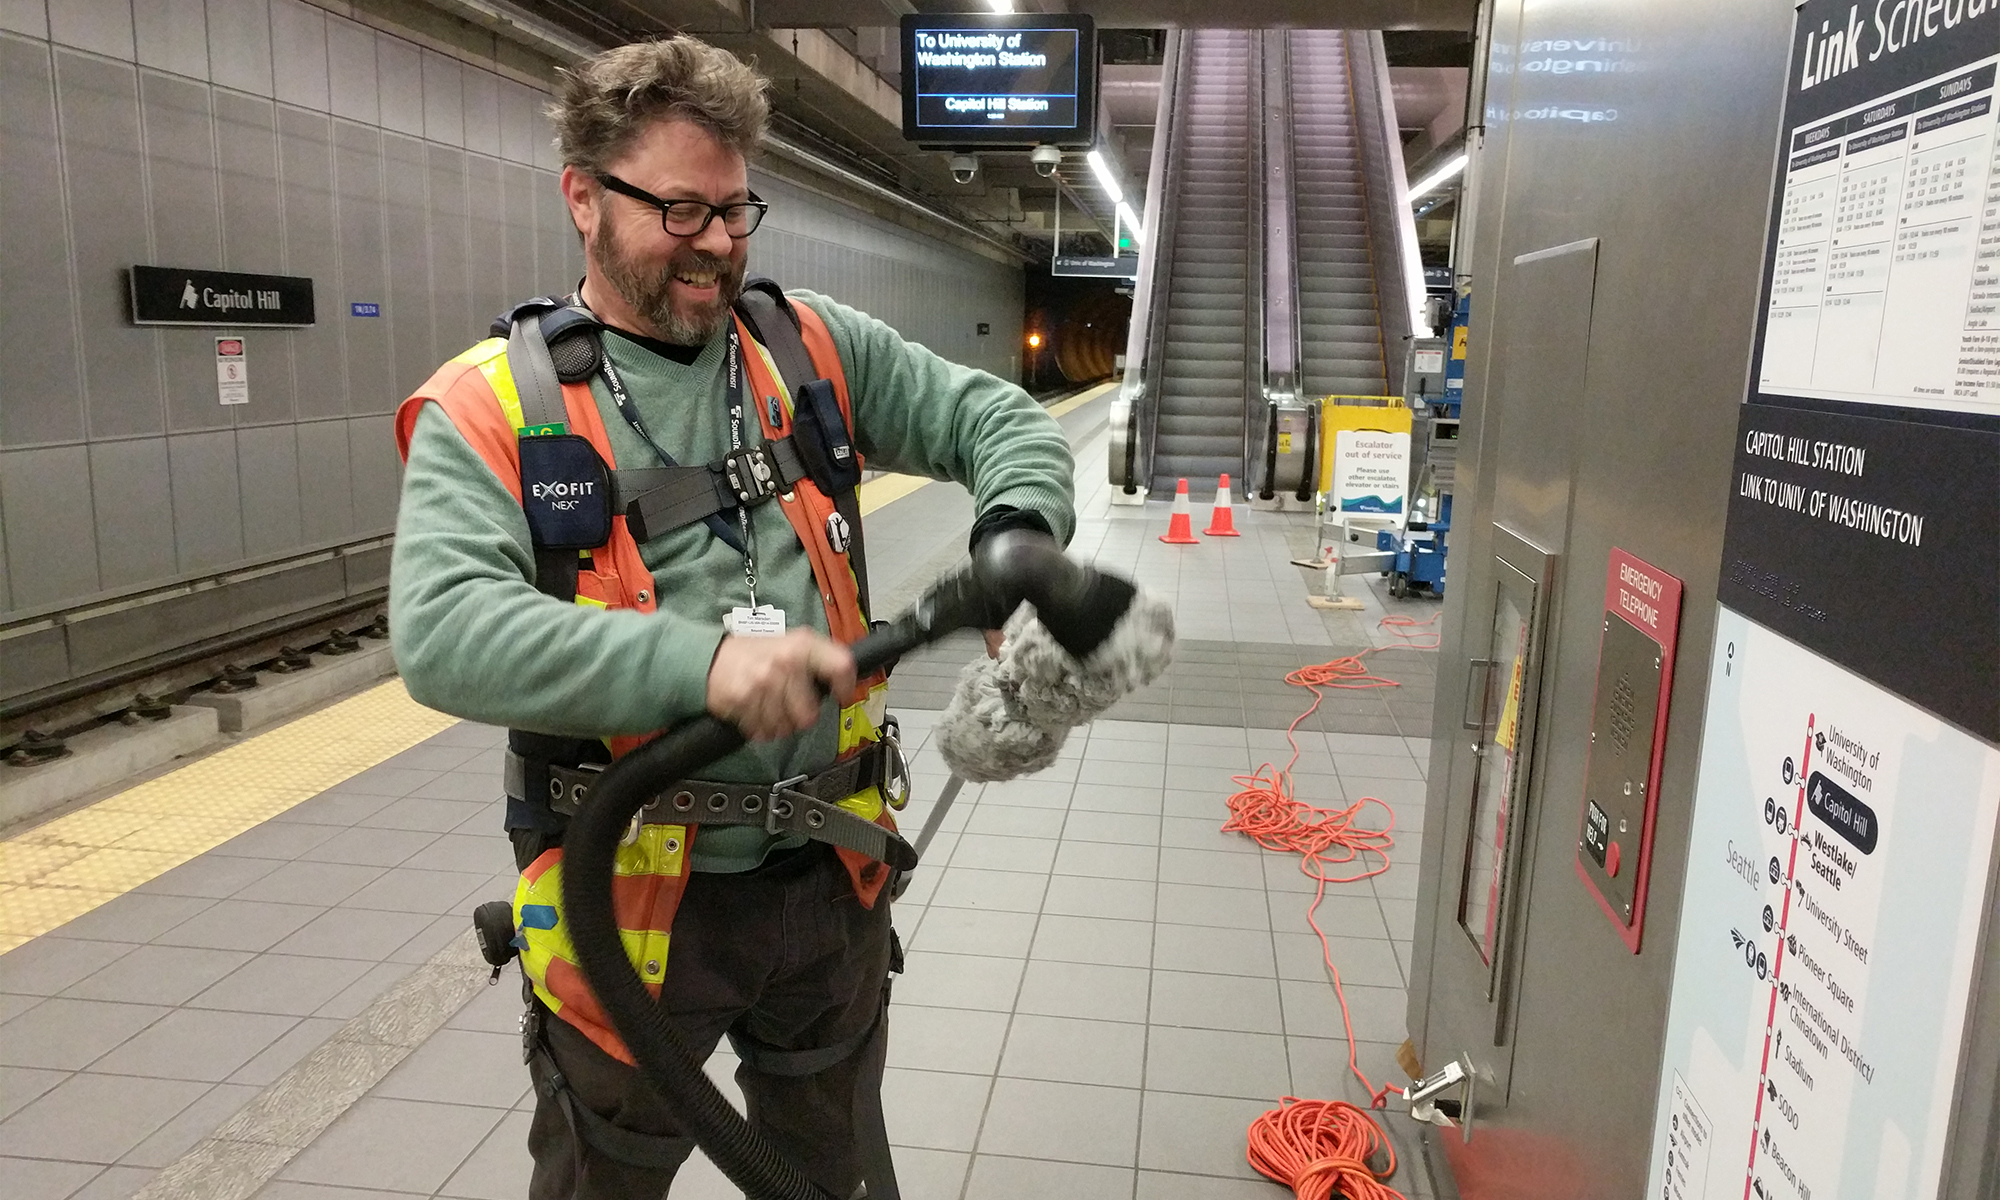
[[232, 371], [999, 79], [185, 296], [1842, 841]]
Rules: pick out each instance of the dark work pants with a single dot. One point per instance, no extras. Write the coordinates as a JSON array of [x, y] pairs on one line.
[[784, 954]]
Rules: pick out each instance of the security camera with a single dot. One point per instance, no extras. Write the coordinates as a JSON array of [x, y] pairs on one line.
[[1046, 160], [964, 167]]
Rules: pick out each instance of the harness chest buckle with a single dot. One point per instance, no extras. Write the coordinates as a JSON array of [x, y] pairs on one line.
[[780, 807], [750, 474]]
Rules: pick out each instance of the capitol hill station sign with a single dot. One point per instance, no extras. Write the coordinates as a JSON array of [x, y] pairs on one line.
[[185, 296]]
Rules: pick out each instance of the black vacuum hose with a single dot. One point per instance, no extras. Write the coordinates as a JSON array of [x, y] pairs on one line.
[[1079, 605]]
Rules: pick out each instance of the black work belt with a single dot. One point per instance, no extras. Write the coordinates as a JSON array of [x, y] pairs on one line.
[[807, 806], [657, 500]]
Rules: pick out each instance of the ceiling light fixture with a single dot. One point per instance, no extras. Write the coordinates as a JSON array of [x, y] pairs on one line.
[[1131, 220], [1448, 171], [1105, 180], [1001, 6]]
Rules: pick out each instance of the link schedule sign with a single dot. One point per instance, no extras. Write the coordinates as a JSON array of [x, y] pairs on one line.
[[999, 80]]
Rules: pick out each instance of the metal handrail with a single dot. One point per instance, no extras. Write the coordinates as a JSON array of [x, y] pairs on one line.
[[1256, 253], [1280, 344], [1136, 408]]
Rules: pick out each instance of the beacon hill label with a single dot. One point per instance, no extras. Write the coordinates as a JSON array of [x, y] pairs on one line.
[[185, 296]]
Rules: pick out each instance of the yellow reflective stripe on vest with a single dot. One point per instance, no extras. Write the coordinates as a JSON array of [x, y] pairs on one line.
[[771, 365], [538, 906], [490, 356]]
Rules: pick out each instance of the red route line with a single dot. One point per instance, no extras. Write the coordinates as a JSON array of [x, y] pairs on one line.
[[1778, 965]]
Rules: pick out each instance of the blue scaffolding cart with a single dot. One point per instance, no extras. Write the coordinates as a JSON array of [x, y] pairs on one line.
[[1419, 549]]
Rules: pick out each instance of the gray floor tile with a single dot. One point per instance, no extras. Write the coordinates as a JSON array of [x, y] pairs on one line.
[[1365, 961], [962, 1040], [68, 1034], [1014, 821], [1112, 751], [470, 787], [495, 1009], [388, 781], [1205, 735], [12, 1005], [115, 1183], [1028, 793], [990, 932], [499, 1168], [1215, 1062], [1123, 774], [335, 807], [1072, 1050], [1199, 1135], [1082, 896], [1137, 731], [1229, 908], [1319, 1067], [426, 814], [354, 933], [932, 1109], [49, 964], [314, 883], [959, 981], [285, 1189], [1092, 991], [1377, 766], [189, 1126], [1094, 940], [281, 983], [1342, 913], [96, 1118], [1401, 918], [280, 1056], [407, 889], [1208, 807], [426, 942], [274, 839], [1249, 1005], [1379, 1014], [1107, 860], [44, 1179], [1211, 868], [996, 1177], [136, 916], [158, 974], [1124, 828], [212, 876], [1106, 798], [18, 1085], [362, 992], [993, 853], [240, 925], [457, 1066], [1205, 833], [1396, 793], [1012, 891], [1206, 948], [1068, 1122], [195, 1044], [458, 852], [1166, 1185], [395, 1145], [371, 847]]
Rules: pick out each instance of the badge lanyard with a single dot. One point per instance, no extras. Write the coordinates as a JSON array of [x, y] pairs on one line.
[[743, 541]]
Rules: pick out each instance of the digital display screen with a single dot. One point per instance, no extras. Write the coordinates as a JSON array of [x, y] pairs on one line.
[[1015, 79]]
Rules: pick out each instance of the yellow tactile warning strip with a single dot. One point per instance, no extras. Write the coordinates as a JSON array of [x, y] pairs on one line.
[[60, 870], [886, 489]]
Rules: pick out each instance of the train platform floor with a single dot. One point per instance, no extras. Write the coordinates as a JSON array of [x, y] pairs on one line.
[[253, 976]]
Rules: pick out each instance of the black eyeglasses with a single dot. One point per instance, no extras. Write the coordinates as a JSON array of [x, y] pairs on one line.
[[688, 218]]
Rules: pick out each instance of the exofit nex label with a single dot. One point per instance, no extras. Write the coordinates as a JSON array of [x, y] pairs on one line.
[[563, 496], [1892, 26]]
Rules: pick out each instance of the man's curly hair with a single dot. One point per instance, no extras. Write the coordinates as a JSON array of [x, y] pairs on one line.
[[606, 102]]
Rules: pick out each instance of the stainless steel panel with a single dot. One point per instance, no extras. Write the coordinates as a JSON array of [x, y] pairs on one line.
[[133, 500], [351, 68], [208, 507], [517, 191], [444, 99], [357, 173], [267, 460], [399, 82], [299, 61], [454, 324], [253, 228], [99, 102], [312, 248], [556, 243], [408, 311], [1622, 723], [180, 171], [125, 634], [1648, 126], [172, 35], [99, 26], [482, 111], [486, 246], [378, 473], [40, 400], [270, 597], [326, 482], [520, 123], [239, 45], [30, 17], [51, 548], [366, 570], [33, 661]]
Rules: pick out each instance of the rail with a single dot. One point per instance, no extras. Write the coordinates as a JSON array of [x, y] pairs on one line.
[[1135, 410]]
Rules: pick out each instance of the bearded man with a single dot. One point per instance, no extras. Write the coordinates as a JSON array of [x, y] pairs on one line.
[[654, 519]]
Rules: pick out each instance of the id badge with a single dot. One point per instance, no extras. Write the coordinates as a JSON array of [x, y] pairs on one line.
[[761, 621]]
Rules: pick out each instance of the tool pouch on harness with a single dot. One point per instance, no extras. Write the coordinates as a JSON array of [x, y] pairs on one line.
[[822, 438]]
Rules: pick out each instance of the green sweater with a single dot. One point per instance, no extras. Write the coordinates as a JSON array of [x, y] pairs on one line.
[[475, 639]]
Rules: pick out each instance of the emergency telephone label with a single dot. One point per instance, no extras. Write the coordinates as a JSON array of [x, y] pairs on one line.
[[1817, 1013]]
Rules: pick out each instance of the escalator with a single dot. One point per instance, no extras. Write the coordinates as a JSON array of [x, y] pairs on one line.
[[1340, 328]]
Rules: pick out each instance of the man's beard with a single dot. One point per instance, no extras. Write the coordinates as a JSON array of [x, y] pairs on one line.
[[651, 294]]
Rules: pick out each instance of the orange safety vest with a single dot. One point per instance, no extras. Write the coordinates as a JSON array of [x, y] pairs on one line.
[[476, 390]]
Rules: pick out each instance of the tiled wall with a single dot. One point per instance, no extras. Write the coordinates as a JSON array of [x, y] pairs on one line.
[[273, 136]]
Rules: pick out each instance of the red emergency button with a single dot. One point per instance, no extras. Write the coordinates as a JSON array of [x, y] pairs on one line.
[[1611, 857]]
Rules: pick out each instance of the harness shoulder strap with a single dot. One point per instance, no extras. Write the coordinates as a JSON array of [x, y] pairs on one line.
[[539, 387]]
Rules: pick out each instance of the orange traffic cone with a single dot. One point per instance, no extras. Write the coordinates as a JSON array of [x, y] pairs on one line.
[[1221, 520], [1180, 530]]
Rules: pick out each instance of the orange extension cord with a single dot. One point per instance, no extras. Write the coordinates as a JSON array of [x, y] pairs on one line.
[[1320, 1148]]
